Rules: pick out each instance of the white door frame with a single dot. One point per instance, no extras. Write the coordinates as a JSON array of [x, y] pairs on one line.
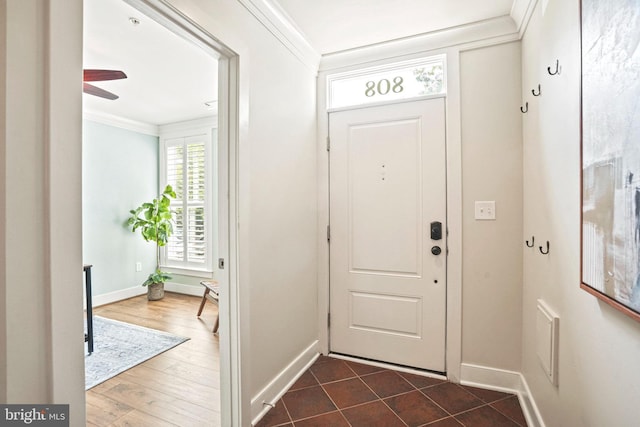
[[454, 204], [228, 126]]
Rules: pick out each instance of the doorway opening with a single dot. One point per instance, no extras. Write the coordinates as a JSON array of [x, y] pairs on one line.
[[387, 211], [215, 68]]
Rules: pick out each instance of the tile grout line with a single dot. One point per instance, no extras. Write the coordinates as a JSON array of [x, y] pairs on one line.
[[394, 412], [285, 408], [437, 421], [507, 416], [482, 406], [326, 394], [490, 404], [434, 402], [329, 396], [469, 410], [385, 403], [360, 377], [315, 416]]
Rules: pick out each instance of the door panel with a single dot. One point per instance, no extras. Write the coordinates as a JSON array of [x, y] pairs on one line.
[[383, 165], [387, 184], [367, 313]]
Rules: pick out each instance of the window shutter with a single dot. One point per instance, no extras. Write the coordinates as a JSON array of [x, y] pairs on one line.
[[196, 191], [186, 173]]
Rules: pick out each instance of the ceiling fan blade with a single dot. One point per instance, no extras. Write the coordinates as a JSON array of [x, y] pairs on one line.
[[101, 75], [94, 90]]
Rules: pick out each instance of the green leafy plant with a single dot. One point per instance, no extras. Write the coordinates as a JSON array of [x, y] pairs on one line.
[[432, 78], [157, 277], [155, 222]]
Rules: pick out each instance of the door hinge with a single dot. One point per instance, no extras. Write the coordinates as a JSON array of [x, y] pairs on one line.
[[328, 233], [221, 263], [328, 320], [328, 143]]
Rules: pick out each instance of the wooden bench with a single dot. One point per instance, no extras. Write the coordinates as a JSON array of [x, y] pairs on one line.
[[211, 293]]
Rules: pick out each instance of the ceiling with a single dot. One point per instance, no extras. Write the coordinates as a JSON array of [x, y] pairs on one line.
[[170, 79], [337, 25]]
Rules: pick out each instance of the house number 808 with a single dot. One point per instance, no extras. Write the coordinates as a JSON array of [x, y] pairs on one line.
[[384, 86]]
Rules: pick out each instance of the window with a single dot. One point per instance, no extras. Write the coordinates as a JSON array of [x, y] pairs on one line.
[[391, 82], [186, 166]]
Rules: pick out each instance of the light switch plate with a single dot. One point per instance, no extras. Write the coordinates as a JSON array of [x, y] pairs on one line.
[[485, 210]]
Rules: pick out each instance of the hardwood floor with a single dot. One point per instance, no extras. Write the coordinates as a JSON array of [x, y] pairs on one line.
[[179, 387]]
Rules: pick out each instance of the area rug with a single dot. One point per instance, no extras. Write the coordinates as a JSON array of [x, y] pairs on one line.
[[118, 346]]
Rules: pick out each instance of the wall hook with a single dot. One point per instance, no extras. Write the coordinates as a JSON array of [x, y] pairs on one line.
[[525, 109], [542, 251], [558, 69], [533, 239], [533, 91]]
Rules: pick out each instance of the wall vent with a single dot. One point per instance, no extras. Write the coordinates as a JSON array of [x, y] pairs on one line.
[[547, 328]]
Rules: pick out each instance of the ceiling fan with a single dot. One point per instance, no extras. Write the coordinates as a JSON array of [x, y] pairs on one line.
[[98, 76]]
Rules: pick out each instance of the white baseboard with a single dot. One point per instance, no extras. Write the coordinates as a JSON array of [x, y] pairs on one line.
[[490, 378], [529, 407], [505, 381], [184, 289], [268, 396], [127, 293], [116, 296]]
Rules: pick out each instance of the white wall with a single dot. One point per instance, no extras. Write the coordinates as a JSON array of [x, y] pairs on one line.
[[41, 228], [3, 204], [120, 172], [491, 170], [26, 299], [599, 347], [277, 198], [484, 162], [277, 192]]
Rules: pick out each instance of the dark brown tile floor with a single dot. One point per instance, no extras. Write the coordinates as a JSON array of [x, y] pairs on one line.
[[335, 392]]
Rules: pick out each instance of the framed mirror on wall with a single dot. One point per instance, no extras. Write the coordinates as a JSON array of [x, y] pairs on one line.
[[610, 257]]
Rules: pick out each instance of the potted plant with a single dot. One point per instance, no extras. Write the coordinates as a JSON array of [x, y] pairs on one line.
[[155, 222]]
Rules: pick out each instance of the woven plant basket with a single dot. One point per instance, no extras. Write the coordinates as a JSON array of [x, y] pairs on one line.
[[155, 291]]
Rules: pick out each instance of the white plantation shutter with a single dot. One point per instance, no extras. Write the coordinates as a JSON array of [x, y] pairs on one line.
[[185, 169], [196, 242]]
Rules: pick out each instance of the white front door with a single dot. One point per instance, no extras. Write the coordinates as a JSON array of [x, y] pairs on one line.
[[388, 263]]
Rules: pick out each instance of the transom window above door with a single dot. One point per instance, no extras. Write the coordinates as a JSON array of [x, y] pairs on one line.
[[390, 82]]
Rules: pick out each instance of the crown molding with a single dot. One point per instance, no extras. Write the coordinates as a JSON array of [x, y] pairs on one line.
[[208, 122], [271, 15], [469, 36], [521, 12], [121, 122]]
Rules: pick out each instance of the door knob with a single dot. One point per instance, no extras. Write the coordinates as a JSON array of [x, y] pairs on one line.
[[436, 250]]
